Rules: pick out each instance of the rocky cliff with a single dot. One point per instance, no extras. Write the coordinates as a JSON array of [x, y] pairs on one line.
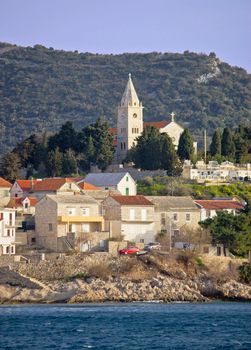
[[79, 279]]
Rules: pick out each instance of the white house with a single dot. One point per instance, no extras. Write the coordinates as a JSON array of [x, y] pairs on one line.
[[7, 231], [123, 182], [130, 216], [209, 207], [22, 188]]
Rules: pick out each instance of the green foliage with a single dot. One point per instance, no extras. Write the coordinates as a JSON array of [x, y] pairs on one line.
[[185, 147], [42, 88], [233, 231], [54, 163], [10, 166], [215, 147], [69, 163], [155, 151], [227, 144], [245, 272]]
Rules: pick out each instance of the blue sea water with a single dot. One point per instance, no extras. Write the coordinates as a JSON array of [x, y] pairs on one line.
[[134, 326]]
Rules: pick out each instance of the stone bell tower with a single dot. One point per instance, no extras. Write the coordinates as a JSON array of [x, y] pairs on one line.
[[130, 120]]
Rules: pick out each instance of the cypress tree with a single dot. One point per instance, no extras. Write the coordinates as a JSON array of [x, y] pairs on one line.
[[227, 144], [215, 147], [69, 164], [185, 147], [169, 159]]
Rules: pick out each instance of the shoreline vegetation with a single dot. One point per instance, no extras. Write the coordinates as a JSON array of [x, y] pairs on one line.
[[101, 278]]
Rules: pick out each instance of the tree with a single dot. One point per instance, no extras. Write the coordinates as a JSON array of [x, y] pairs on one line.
[[233, 231], [169, 159], [215, 147], [65, 139], [227, 144], [155, 151], [10, 166], [69, 163], [97, 143], [242, 144], [54, 163], [185, 147]]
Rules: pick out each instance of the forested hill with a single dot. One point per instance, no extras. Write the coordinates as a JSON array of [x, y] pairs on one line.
[[42, 88]]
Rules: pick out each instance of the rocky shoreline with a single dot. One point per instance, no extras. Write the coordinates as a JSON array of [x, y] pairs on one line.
[[165, 283]]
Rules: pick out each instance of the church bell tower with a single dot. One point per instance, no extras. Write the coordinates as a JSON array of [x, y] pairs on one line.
[[130, 120]]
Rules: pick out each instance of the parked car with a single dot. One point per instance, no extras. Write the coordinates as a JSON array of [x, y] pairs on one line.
[[129, 250], [152, 246]]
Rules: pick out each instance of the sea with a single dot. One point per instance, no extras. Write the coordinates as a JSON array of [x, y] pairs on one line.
[[216, 325]]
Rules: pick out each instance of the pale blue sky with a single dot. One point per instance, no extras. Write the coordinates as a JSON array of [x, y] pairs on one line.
[[116, 26]]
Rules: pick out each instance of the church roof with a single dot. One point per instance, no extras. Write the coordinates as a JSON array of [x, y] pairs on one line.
[[158, 125], [130, 96]]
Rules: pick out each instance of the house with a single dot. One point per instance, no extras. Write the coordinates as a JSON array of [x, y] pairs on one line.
[[131, 217], [22, 188], [215, 172], [85, 186], [66, 222], [175, 216], [25, 211], [208, 208], [123, 182], [7, 231], [101, 195], [62, 186], [5, 187]]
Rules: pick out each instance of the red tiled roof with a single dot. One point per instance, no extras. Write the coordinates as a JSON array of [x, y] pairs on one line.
[[51, 184], [220, 204], [132, 200], [4, 183], [18, 202], [158, 125], [87, 186], [26, 185]]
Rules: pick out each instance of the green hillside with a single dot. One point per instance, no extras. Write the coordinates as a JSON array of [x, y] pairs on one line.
[[42, 88]]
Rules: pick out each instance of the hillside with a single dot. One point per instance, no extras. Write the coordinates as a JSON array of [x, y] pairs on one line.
[[42, 88]]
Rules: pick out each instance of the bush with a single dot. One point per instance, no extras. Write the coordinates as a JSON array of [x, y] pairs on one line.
[[100, 270], [245, 272]]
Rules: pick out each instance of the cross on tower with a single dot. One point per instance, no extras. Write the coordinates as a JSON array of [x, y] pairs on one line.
[[172, 115]]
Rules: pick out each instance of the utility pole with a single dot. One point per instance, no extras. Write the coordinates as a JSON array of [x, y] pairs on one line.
[[205, 145]]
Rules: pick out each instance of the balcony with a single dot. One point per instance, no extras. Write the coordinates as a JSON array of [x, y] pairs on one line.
[[82, 219], [7, 240]]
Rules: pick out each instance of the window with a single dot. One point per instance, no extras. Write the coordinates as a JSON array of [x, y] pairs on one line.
[[163, 219], [142, 240], [10, 219], [71, 211], [12, 249], [127, 178], [1, 216], [175, 217], [85, 211], [85, 227], [143, 214], [188, 217], [7, 250], [8, 233], [121, 145], [132, 214], [50, 227], [127, 191], [26, 205], [176, 232]]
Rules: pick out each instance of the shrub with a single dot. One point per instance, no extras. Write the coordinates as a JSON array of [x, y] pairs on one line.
[[100, 270], [245, 272]]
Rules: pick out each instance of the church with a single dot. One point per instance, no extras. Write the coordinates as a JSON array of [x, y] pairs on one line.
[[130, 123]]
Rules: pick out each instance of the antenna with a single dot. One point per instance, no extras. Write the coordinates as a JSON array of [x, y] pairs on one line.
[[205, 145]]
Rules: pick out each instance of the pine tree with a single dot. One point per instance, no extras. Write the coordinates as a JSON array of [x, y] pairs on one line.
[[185, 147], [227, 144], [169, 159], [10, 166], [54, 163], [215, 147], [69, 164]]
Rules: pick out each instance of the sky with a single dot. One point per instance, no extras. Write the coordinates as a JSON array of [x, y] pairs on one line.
[[117, 26]]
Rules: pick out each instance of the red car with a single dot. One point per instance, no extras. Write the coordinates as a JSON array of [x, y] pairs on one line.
[[129, 250]]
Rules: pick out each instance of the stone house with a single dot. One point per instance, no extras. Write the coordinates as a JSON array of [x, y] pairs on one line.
[[22, 188], [25, 211], [66, 222], [123, 182], [5, 187], [56, 186], [7, 231], [208, 208], [131, 217], [175, 215]]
